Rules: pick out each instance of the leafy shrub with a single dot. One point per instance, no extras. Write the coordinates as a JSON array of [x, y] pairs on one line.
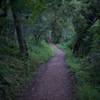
[[16, 71], [86, 73]]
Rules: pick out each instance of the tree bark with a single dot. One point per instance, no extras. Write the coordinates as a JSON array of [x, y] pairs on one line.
[[21, 40], [76, 46], [17, 22]]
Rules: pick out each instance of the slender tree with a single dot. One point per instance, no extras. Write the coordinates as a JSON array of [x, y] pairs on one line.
[[17, 22]]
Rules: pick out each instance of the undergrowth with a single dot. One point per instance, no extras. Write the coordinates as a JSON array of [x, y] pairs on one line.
[[16, 71], [83, 86]]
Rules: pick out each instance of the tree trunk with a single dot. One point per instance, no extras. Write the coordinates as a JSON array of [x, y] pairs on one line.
[[21, 40], [76, 46]]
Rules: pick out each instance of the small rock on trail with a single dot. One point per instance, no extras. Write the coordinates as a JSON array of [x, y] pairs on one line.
[[54, 83]]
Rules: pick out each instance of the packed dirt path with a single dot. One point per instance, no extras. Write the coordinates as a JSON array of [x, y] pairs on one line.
[[54, 81]]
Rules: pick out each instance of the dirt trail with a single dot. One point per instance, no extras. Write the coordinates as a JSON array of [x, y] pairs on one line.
[[54, 81]]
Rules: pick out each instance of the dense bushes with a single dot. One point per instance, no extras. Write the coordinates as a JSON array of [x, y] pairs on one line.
[[86, 75], [19, 55], [86, 67], [83, 54], [15, 71]]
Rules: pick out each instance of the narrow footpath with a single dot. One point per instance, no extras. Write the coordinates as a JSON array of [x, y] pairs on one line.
[[53, 83]]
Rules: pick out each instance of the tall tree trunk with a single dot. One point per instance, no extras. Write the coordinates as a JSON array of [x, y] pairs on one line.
[[21, 41]]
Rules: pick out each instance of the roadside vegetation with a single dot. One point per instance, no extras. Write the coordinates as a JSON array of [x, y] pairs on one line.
[[16, 71], [82, 49], [84, 89], [22, 48]]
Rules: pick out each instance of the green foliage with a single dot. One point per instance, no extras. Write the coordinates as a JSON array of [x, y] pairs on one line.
[[86, 74], [16, 71], [22, 5], [37, 8], [96, 37], [7, 38], [41, 51], [87, 38], [86, 92]]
